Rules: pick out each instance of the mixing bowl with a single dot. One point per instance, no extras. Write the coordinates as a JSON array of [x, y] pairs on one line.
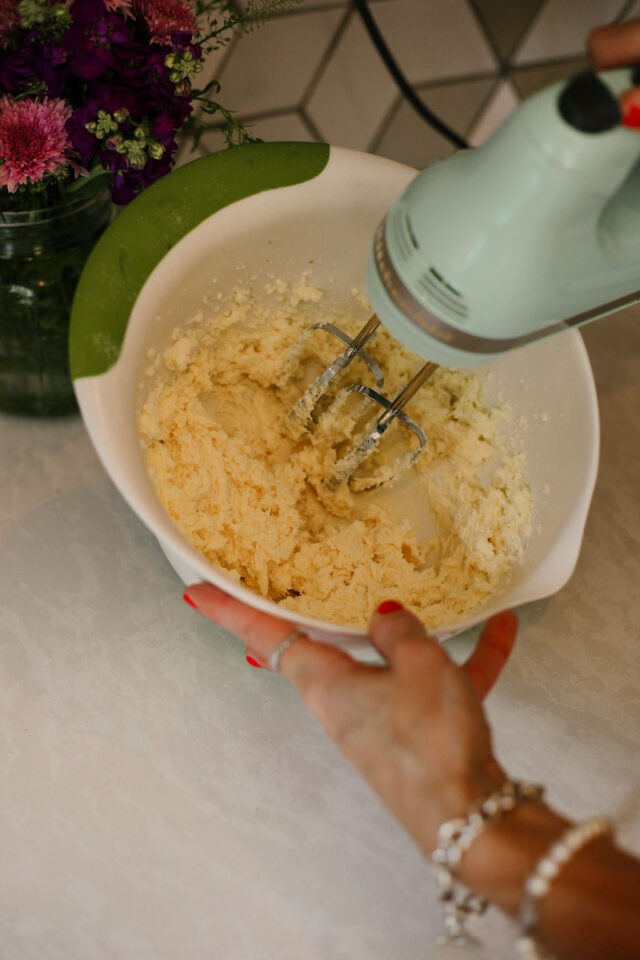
[[283, 210]]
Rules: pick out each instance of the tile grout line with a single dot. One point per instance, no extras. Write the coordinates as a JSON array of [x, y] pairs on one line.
[[294, 107], [258, 115], [385, 123], [310, 125], [325, 59], [527, 31], [423, 87], [490, 94], [304, 9], [516, 68], [506, 69], [505, 60], [230, 47], [496, 77], [480, 23]]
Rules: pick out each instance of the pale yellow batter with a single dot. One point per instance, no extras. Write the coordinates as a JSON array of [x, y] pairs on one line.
[[247, 489]]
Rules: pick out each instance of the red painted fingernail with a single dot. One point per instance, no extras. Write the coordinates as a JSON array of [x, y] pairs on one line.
[[253, 663], [389, 606], [631, 116], [187, 599]]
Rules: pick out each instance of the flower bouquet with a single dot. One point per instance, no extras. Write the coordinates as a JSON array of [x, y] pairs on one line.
[[93, 96]]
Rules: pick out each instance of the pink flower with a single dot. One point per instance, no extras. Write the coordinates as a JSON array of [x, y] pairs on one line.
[[166, 17], [118, 6], [33, 140], [9, 19]]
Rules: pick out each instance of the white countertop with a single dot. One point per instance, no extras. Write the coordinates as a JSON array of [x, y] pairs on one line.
[[160, 799]]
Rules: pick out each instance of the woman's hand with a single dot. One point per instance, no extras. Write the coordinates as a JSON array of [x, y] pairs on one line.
[[415, 728], [618, 45], [615, 45]]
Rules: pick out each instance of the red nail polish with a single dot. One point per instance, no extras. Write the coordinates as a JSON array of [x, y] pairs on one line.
[[253, 663], [389, 606], [187, 599], [631, 116]]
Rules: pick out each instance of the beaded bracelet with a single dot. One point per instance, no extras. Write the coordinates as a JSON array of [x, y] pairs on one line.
[[454, 838], [548, 867]]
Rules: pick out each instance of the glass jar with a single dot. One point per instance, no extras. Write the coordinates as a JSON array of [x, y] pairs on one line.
[[42, 253]]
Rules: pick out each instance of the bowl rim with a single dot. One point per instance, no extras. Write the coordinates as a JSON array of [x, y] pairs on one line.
[[143, 232]]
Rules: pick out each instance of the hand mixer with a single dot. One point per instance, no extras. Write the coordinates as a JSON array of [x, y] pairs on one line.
[[491, 249]]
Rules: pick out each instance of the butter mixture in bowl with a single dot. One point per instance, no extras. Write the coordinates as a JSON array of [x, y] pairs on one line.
[[246, 488]]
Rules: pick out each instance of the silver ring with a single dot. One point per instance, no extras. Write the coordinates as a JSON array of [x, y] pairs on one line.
[[283, 646]]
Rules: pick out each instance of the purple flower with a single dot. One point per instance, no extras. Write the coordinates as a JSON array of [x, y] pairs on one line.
[[36, 62], [93, 39], [123, 69]]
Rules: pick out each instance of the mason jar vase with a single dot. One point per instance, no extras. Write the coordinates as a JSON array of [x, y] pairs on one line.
[[42, 253]]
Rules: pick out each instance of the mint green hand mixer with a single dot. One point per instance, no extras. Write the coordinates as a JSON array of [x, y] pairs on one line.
[[491, 249]]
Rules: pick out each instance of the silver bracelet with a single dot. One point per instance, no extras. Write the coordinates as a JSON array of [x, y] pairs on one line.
[[546, 870], [455, 838]]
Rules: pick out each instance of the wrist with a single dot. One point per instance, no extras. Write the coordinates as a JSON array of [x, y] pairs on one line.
[[457, 836], [455, 798], [497, 865]]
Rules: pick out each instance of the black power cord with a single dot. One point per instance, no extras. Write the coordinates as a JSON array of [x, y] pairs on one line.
[[407, 90]]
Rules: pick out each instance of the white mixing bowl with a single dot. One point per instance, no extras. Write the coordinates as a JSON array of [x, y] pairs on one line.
[[271, 209]]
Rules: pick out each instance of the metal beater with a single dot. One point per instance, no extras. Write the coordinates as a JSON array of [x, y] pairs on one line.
[[304, 409]]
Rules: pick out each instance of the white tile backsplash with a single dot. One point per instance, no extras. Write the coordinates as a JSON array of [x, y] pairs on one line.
[[354, 92], [431, 39], [428, 38], [272, 67], [410, 140], [312, 71], [286, 126], [214, 61], [503, 101], [304, 4], [562, 26]]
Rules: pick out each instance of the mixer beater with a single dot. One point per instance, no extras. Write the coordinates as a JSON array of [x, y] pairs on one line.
[[305, 408], [347, 465]]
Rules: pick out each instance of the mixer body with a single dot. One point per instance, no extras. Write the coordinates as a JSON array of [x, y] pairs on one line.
[[537, 230], [491, 249]]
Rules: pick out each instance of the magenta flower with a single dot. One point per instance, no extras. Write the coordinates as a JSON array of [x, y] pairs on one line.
[[165, 18], [119, 6], [33, 141]]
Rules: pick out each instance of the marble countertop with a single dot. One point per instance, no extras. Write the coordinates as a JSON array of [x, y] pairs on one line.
[[161, 800]]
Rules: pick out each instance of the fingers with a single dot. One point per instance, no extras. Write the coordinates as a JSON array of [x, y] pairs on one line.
[[389, 630], [318, 670], [314, 668], [258, 630], [616, 45], [486, 663], [630, 108], [304, 661]]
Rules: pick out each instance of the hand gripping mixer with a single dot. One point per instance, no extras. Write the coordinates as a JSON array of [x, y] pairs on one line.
[[491, 249]]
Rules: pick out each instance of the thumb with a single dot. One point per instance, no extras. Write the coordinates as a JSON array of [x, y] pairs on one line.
[[392, 625], [615, 45]]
